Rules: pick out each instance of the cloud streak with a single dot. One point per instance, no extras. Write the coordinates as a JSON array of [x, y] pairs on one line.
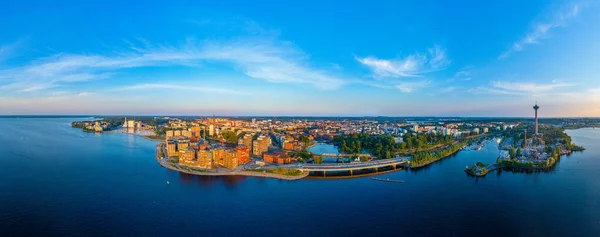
[[408, 87], [266, 59], [519, 88], [8, 50], [154, 86], [540, 30], [413, 65]]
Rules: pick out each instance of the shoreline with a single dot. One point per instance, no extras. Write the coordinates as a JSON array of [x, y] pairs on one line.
[[520, 169], [436, 160], [236, 173]]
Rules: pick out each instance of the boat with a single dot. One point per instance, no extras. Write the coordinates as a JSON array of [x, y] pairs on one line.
[[168, 182], [388, 180]]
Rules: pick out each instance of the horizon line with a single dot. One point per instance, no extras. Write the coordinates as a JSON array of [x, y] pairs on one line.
[[280, 116]]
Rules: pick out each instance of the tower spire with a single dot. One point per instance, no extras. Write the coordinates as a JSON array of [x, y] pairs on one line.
[[536, 107]]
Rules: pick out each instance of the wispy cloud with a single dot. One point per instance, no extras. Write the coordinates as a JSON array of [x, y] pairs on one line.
[[450, 89], [85, 93], [519, 88], [262, 58], [413, 65], [8, 50], [408, 87], [528, 87], [153, 86], [464, 74], [541, 29]]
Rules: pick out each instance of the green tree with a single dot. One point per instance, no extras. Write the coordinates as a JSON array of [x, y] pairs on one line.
[[318, 159], [511, 153], [519, 151], [229, 136]]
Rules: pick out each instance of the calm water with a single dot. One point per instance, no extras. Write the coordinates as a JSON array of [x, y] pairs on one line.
[[55, 180], [321, 148]]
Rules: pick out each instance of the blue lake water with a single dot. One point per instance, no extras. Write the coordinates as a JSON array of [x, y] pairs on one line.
[[59, 181], [321, 148]]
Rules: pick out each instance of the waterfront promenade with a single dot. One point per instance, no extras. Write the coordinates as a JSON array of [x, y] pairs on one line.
[[163, 161], [306, 169]]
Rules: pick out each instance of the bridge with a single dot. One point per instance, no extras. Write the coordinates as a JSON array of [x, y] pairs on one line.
[[368, 167]]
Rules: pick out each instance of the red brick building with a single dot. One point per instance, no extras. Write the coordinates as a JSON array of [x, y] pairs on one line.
[[276, 157], [243, 154]]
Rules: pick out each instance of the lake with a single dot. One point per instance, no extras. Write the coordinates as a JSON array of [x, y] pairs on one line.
[[60, 181]]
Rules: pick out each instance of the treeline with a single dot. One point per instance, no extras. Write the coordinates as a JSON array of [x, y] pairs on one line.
[[424, 141], [426, 157], [385, 147], [510, 163]]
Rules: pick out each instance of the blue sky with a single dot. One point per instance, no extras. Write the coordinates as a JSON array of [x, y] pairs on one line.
[[388, 58]]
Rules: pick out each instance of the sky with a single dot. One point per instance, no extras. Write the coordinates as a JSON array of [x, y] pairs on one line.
[[308, 58]]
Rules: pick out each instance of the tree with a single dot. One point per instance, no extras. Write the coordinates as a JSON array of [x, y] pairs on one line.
[[548, 149], [511, 153], [305, 140], [498, 161], [229, 136], [519, 151], [318, 159]]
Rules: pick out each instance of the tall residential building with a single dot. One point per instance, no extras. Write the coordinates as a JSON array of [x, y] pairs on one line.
[[243, 154], [261, 145], [246, 140], [131, 123], [218, 156], [169, 134], [183, 143], [196, 131], [187, 156], [205, 159], [186, 133], [171, 148], [230, 160], [211, 130]]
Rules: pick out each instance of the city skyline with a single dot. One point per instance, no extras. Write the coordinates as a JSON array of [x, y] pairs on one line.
[[270, 58]]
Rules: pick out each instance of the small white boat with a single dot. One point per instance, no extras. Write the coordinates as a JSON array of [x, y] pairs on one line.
[[168, 182]]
